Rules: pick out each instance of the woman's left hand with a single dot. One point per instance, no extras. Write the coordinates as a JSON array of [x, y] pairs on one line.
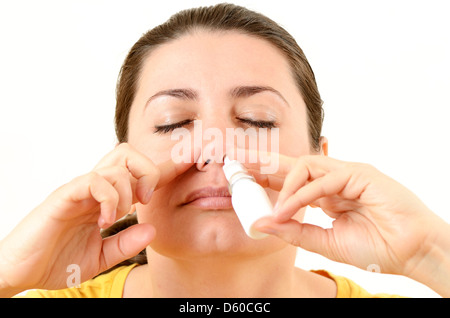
[[377, 220]]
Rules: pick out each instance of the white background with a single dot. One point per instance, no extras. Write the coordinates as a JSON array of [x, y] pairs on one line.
[[383, 70]]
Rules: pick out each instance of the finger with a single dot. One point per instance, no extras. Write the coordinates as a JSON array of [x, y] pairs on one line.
[[326, 186], [104, 193], [132, 209], [306, 169], [125, 244], [307, 236], [148, 175], [140, 167], [119, 177], [92, 194], [170, 169]]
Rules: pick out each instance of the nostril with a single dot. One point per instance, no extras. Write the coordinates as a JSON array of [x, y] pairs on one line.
[[202, 165]]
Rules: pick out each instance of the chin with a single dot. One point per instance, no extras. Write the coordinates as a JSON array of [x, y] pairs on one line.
[[213, 234]]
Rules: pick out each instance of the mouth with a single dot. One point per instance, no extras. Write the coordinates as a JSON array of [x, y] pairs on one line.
[[212, 198]]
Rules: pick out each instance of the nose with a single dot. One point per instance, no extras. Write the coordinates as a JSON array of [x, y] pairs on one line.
[[201, 166], [209, 158], [212, 138]]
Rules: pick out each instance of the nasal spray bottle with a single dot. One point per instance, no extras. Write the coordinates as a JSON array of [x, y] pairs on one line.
[[249, 199]]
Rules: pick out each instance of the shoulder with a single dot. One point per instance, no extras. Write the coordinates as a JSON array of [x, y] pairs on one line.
[[346, 288], [108, 285]]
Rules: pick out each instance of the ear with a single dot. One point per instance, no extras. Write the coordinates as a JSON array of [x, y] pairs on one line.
[[323, 146]]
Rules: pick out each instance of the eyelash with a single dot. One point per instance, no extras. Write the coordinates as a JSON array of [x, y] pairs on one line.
[[164, 129], [258, 123]]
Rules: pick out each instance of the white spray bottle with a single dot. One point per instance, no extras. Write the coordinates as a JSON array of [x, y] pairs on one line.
[[249, 199]]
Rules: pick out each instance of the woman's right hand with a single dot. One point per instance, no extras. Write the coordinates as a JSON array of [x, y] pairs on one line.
[[65, 228]]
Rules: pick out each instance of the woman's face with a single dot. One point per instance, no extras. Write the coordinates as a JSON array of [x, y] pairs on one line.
[[222, 80]]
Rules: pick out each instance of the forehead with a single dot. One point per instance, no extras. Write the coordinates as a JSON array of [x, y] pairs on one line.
[[213, 59]]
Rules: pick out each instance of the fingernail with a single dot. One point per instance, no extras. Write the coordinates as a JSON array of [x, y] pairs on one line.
[[132, 209], [264, 225], [275, 208], [148, 196], [101, 222], [268, 230]]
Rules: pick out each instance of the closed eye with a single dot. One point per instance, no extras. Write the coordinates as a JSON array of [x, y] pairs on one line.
[[258, 123], [164, 129]]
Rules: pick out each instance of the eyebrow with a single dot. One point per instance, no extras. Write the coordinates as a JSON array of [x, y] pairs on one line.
[[182, 93], [237, 92], [247, 91]]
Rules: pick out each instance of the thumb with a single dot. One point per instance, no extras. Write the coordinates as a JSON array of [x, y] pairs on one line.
[[310, 237], [125, 244]]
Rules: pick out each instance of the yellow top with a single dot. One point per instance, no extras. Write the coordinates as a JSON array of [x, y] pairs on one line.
[[110, 285]]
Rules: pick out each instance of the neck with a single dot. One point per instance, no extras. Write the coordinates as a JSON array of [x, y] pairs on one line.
[[271, 275]]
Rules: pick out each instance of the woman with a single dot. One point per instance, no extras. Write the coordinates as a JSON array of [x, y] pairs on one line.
[[223, 67]]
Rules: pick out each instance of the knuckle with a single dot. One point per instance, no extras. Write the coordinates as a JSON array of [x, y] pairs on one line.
[[354, 166], [91, 176], [302, 160], [123, 149], [361, 168], [123, 146], [300, 163], [122, 172], [294, 240]]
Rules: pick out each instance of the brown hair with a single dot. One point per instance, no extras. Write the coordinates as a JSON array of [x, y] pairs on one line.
[[220, 17]]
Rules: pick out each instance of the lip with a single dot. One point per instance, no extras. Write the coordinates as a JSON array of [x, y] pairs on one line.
[[216, 198]]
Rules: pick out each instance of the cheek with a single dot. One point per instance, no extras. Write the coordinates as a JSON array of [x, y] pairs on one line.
[[161, 147], [149, 213], [294, 139], [162, 211], [143, 139], [295, 146], [157, 148]]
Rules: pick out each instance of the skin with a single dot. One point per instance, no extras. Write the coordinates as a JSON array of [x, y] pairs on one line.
[[201, 250], [210, 70], [219, 244]]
